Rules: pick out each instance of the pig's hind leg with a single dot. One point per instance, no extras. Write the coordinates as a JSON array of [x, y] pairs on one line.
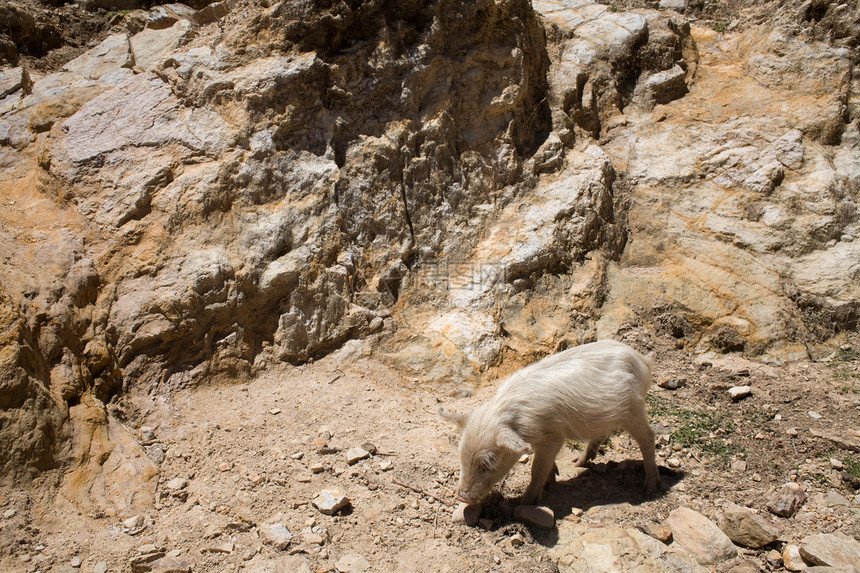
[[542, 466], [641, 431], [590, 452]]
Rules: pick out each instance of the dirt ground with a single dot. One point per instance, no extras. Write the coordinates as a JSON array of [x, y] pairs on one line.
[[256, 452]]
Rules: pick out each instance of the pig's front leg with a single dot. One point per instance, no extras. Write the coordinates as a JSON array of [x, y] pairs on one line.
[[543, 464]]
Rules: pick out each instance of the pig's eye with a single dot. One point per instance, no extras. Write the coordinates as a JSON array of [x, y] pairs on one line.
[[487, 462]]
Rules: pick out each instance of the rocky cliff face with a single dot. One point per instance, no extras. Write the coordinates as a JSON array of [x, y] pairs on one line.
[[206, 192]]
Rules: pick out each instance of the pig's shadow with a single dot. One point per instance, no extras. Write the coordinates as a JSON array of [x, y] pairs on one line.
[[599, 485]]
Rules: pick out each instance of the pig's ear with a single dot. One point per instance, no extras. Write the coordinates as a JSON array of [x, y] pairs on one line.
[[507, 438], [459, 418]]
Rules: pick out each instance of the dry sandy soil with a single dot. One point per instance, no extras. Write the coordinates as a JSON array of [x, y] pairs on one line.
[[249, 449]]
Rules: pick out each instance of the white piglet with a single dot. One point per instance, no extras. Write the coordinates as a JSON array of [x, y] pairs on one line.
[[586, 393]]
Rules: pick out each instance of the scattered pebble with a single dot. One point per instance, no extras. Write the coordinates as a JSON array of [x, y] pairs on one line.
[[275, 411], [791, 558], [836, 464], [739, 465], [354, 455], [658, 531], [673, 383], [276, 535], [385, 466], [75, 562], [792, 432], [814, 415], [517, 540], [787, 500], [176, 484], [700, 537], [100, 567], [9, 513], [746, 528], [147, 435], [317, 468], [737, 393], [829, 499], [330, 500], [133, 522], [673, 462], [225, 466]]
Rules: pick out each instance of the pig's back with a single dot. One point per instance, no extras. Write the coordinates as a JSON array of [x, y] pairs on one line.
[[584, 392]]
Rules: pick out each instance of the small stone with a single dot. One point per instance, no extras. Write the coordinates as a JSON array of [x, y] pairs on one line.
[[75, 562], [354, 455], [831, 550], [313, 539], [147, 435], [385, 466], [836, 464], [745, 527], [814, 415], [524, 459], [225, 466], [787, 500], [275, 411], [297, 456], [774, 558], [468, 514], [176, 484], [9, 513], [257, 479], [133, 522], [330, 500], [658, 531], [147, 548], [737, 393], [317, 468], [829, 499], [700, 537], [225, 546], [352, 563], [672, 383], [791, 558], [739, 465], [517, 540], [276, 535], [100, 567], [155, 452], [792, 432], [673, 462], [536, 515]]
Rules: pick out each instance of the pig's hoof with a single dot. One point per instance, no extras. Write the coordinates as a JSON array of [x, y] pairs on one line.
[[538, 516]]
